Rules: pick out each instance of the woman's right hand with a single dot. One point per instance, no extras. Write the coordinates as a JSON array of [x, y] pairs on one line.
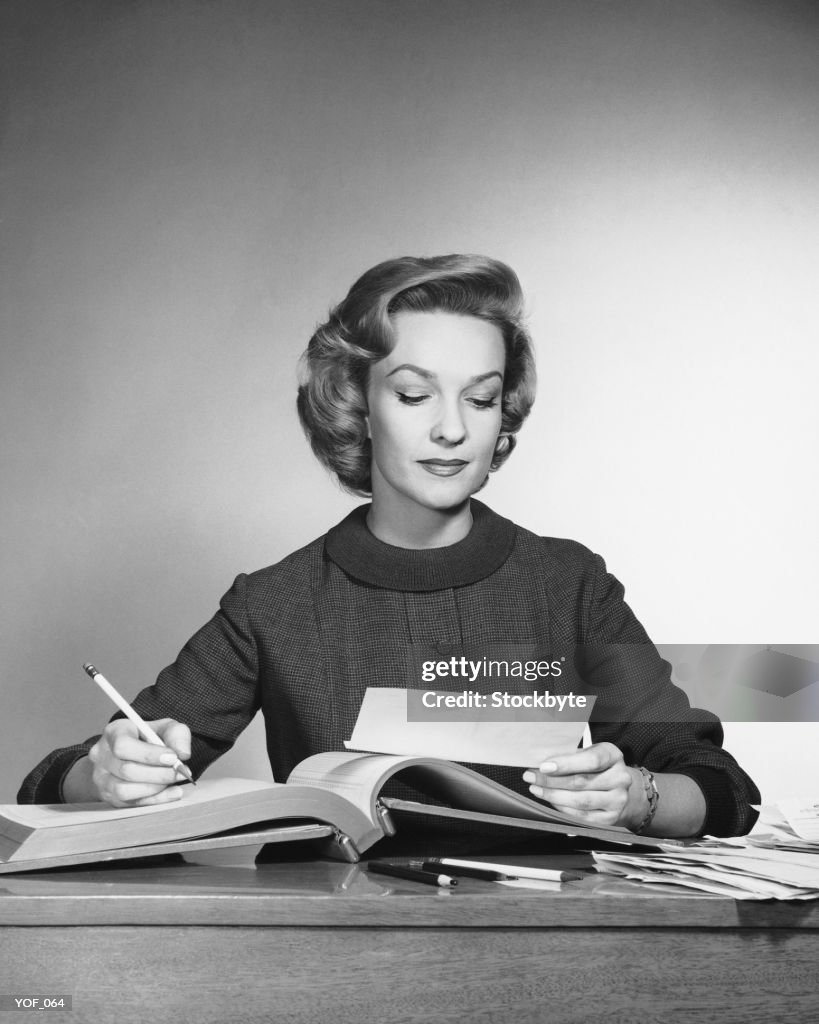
[[124, 770]]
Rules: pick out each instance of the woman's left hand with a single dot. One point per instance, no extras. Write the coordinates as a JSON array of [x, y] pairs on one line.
[[593, 785]]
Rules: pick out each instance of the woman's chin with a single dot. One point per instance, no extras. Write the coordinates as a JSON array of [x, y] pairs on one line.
[[450, 504], [446, 495]]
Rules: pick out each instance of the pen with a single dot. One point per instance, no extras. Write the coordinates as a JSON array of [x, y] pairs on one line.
[[145, 730], [413, 874], [466, 872], [508, 870]]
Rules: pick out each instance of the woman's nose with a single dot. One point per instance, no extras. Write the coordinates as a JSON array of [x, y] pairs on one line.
[[450, 427]]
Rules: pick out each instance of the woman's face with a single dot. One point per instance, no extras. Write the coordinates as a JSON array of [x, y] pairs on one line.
[[435, 411]]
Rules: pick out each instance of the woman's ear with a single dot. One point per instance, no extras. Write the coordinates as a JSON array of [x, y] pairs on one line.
[[367, 417]]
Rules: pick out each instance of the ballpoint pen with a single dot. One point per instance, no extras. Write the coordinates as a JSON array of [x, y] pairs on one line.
[[461, 871], [379, 867]]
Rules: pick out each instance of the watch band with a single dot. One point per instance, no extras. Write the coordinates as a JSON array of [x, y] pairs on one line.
[[653, 797]]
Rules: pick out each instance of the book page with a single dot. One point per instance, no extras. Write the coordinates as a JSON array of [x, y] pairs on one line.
[[382, 727], [57, 815], [359, 778], [356, 777]]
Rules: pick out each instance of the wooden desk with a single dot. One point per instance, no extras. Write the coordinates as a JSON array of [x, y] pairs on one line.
[[218, 940]]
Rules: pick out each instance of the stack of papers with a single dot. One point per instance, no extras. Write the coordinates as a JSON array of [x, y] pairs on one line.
[[789, 825], [779, 861]]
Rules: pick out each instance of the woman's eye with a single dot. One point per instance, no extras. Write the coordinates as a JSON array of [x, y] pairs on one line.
[[484, 403], [410, 399]]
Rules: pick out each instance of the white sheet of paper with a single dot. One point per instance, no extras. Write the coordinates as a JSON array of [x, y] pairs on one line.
[[382, 728], [802, 814]]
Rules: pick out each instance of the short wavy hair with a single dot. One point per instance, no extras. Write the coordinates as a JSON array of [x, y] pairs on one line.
[[332, 398]]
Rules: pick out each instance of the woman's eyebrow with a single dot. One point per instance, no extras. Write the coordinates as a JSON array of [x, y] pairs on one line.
[[429, 375], [414, 369], [486, 376]]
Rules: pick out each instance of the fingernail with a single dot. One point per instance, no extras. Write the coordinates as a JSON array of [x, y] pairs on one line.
[[167, 758], [528, 776], [548, 766]]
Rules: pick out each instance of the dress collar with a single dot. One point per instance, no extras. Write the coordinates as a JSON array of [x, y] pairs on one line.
[[362, 555]]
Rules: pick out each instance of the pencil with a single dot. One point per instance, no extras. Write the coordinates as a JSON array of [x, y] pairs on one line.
[[510, 870], [145, 730]]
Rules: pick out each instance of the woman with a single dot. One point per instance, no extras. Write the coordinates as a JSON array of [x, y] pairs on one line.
[[413, 392]]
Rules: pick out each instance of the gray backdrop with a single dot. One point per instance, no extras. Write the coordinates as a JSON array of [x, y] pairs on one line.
[[186, 188]]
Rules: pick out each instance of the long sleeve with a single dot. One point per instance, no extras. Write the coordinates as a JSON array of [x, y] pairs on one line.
[[212, 687], [650, 719]]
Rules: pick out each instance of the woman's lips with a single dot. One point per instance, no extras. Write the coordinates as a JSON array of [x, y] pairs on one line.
[[443, 467]]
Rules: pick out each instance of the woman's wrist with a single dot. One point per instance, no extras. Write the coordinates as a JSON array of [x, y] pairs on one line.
[[78, 785], [680, 810], [637, 806]]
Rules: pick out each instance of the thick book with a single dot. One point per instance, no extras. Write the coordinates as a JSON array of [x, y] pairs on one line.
[[334, 797]]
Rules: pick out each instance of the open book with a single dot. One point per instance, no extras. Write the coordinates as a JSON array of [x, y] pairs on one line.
[[335, 797]]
